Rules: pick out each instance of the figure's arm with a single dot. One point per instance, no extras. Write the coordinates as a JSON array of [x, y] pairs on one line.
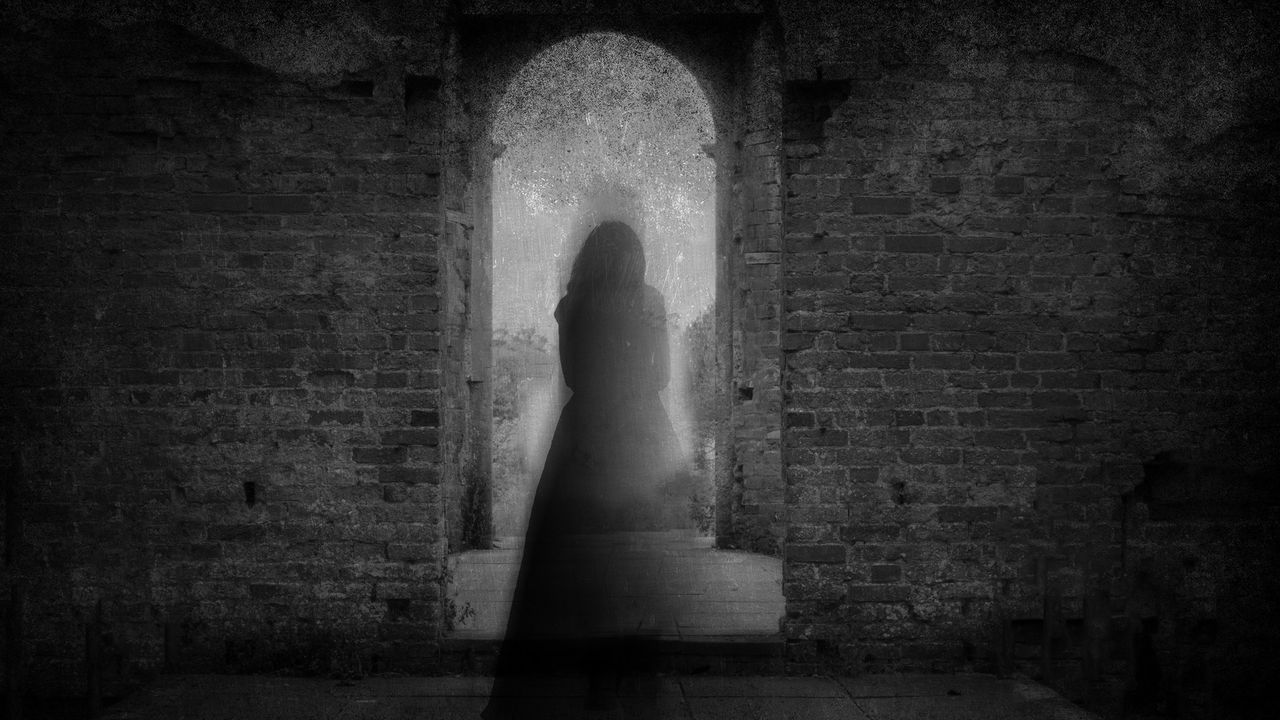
[[661, 360]]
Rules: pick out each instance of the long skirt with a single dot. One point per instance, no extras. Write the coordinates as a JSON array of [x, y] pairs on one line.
[[589, 600]]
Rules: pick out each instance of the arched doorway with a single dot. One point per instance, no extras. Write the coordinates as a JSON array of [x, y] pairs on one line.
[[735, 65], [599, 126]]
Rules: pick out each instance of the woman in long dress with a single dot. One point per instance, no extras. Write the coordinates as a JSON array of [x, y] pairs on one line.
[[588, 601]]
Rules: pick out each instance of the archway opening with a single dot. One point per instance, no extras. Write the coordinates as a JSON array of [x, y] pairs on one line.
[[599, 126]]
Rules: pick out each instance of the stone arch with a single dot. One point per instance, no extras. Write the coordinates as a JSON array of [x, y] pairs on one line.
[[735, 60], [598, 124]]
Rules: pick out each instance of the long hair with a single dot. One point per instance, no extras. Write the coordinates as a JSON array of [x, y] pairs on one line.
[[611, 262]]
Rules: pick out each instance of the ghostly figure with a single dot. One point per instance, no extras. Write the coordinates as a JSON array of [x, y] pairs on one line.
[[589, 601]]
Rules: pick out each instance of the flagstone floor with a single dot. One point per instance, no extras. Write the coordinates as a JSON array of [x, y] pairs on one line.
[[711, 593]]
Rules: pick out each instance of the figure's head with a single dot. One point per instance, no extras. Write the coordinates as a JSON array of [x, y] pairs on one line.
[[611, 259]]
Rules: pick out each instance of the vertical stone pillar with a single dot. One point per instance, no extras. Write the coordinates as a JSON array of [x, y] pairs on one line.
[[466, 263], [753, 490]]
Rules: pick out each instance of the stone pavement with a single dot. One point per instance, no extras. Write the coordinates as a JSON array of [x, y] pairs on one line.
[[713, 592], [869, 697]]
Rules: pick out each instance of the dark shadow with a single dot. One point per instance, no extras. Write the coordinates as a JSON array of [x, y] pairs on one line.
[[588, 606]]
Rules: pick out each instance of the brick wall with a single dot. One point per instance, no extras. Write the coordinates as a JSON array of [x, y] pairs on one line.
[[1016, 280], [221, 336], [954, 323]]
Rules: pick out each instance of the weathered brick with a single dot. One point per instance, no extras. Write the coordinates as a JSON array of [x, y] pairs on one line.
[[870, 205], [1061, 225], [800, 419], [1008, 184], [886, 573], [879, 322], [408, 475], [879, 593], [379, 455], [913, 243], [424, 418], [945, 185], [971, 244], [281, 203], [339, 417], [218, 203], [816, 553], [967, 513], [410, 437], [913, 341]]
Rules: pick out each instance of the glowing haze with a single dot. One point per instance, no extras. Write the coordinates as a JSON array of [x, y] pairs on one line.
[[596, 126], [600, 126]]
